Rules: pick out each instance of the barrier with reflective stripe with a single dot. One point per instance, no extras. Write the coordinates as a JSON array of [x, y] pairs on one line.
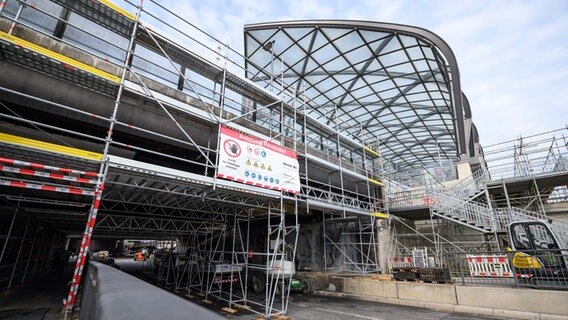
[[400, 262], [46, 167], [489, 266]]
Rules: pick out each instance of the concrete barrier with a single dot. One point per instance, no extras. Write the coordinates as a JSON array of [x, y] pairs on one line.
[[501, 302], [527, 300], [109, 293], [426, 292], [385, 289]]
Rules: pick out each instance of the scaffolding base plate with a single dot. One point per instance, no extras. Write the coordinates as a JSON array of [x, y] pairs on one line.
[[240, 306], [229, 310]]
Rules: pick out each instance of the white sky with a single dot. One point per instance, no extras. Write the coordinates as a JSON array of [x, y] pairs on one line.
[[513, 55]]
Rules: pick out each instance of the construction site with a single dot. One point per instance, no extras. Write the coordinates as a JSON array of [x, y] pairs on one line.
[[331, 158]]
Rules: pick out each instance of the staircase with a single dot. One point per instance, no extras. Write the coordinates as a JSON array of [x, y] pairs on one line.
[[528, 178], [463, 211], [458, 204]]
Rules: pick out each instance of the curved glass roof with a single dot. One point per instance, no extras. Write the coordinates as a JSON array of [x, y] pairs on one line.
[[379, 81]]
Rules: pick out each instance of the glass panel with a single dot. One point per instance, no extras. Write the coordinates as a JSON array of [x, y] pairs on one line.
[[542, 237], [39, 19], [520, 237], [393, 45], [106, 48], [325, 54], [358, 55], [408, 41], [393, 58]]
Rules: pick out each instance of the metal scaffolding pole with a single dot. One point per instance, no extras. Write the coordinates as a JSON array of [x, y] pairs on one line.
[[39, 252], [9, 233], [21, 6], [83, 251], [30, 255], [19, 253]]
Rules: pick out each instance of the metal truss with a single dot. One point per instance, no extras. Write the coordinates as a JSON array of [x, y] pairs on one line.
[[339, 200], [350, 244], [142, 224]]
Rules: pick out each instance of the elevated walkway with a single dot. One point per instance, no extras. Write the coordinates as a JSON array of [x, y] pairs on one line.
[[466, 202]]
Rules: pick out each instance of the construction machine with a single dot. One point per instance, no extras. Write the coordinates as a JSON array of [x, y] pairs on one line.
[[541, 253]]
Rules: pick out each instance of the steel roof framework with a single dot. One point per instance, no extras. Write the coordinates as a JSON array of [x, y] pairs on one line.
[[388, 83]]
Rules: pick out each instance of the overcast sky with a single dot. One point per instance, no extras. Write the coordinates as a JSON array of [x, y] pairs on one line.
[[512, 55]]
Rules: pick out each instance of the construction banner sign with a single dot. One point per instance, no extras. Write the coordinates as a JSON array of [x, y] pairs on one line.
[[257, 162]]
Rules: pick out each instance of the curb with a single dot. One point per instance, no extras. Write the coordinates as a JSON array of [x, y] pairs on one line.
[[443, 307]]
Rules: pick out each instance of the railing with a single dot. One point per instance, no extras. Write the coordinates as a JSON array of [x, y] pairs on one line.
[[455, 201], [529, 168], [478, 214], [545, 269], [408, 198]]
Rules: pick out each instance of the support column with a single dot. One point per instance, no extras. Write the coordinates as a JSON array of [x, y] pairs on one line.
[[383, 244]]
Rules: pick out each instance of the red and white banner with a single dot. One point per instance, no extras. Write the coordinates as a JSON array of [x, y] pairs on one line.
[[257, 162]]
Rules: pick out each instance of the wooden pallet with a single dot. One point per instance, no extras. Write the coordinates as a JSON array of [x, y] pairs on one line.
[[408, 280], [437, 282], [382, 277]]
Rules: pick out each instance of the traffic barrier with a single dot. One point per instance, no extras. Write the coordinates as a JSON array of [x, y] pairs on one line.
[[489, 266], [400, 262]]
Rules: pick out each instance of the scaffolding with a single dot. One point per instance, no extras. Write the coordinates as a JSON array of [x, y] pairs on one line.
[[124, 176], [521, 179]]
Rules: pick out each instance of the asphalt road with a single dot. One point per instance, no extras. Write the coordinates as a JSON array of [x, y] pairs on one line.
[[314, 307]]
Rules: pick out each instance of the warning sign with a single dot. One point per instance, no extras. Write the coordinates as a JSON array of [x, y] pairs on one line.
[[257, 162]]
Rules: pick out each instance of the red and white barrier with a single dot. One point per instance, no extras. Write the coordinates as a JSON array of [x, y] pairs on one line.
[[46, 187], [496, 266], [400, 262], [56, 176], [57, 173], [49, 168]]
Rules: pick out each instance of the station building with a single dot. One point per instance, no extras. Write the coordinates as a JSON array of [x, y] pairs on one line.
[[327, 146]]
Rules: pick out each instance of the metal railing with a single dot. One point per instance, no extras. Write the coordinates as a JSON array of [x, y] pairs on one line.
[[455, 201], [408, 198], [529, 168], [472, 213]]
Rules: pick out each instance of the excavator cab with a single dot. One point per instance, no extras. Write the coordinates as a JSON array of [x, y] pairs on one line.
[[538, 254]]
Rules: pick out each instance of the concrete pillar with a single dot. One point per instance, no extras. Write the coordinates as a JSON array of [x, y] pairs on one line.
[[464, 170], [383, 243]]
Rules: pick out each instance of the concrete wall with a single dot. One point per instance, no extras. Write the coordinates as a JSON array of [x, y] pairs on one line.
[[492, 301], [309, 252], [539, 301]]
